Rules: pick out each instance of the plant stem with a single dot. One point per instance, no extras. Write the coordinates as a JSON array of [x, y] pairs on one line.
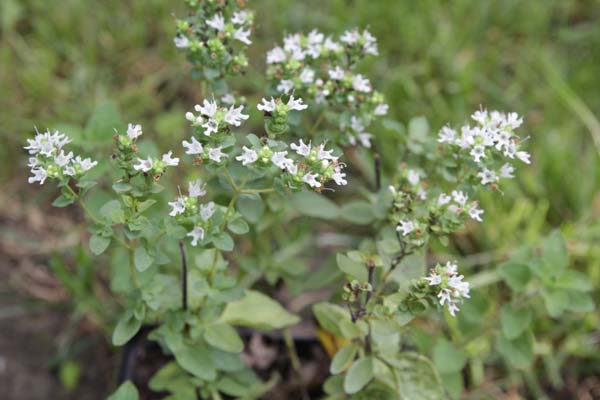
[[132, 269], [377, 166], [295, 360], [184, 300]]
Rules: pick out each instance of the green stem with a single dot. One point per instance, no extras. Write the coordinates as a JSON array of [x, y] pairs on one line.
[[132, 269], [291, 347]]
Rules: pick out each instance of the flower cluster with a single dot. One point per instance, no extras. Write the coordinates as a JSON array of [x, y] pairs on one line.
[[491, 145], [307, 164], [127, 159], [449, 286], [277, 113], [50, 161], [188, 211], [215, 36], [321, 69], [212, 125]]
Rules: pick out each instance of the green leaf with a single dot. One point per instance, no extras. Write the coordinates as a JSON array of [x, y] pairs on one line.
[[196, 359], [556, 301], [447, 358], [315, 205], [100, 126], [251, 207], [142, 259], [574, 280], [259, 311], [336, 319], [144, 205], [98, 244], [126, 328], [516, 275], [62, 201], [223, 242], [223, 336], [517, 352], [358, 212], [113, 211], [127, 391], [581, 302], [555, 252], [359, 375], [238, 226], [353, 268], [418, 379], [343, 358], [514, 321], [122, 187]]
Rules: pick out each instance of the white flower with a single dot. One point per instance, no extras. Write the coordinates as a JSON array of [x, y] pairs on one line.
[[507, 171], [443, 199], [196, 188], [85, 164], [296, 104], [47, 143], [63, 159], [144, 165], [459, 197], [285, 86], [267, 105], [337, 73], [170, 161], [332, 45], [234, 116], [513, 120], [301, 148], [381, 109], [487, 176], [242, 34], [216, 154], [307, 75], [311, 179], [210, 126], [209, 108], [339, 177], [178, 206], [250, 156], [477, 152], [480, 116], [134, 131], [181, 42], [190, 117], [207, 210], [39, 175], [406, 227], [217, 22], [447, 135], [524, 156], [433, 278], [370, 43], [475, 212], [196, 234], [280, 160], [350, 37], [276, 55], [239, 17], [413, 177], [193, 147], [228, 98], [361, 84], [323, 154]]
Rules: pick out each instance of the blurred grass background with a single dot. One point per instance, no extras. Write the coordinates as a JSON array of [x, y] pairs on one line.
[[61, 61]]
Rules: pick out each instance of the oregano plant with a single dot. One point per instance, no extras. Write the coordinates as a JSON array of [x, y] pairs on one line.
[[203, 234]]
